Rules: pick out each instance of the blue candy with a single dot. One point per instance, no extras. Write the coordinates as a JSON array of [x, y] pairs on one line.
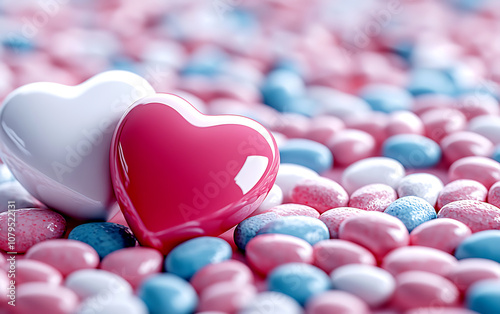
[[299, 281], [310, 229], [386, 98], [412, 150], [484, 297], [189, 257], [167, 293], [496, 153], [307, 153], [280, 88], [104, 237], [412, 211], [483, 244], [431, 81], [248, 228]]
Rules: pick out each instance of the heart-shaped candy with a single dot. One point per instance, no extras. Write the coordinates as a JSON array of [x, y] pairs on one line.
[[55, 139], [180, 174]]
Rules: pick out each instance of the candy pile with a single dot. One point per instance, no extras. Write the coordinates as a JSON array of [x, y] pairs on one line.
[[384, 116]]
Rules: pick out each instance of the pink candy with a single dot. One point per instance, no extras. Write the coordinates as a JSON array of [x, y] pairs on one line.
[[481, 169], [66, 256], [268, 251], [494, 195], [418, 258], [476, 215], [294, 210], [443, 234], [373, 197], [226, 297], [378, 232], [334, 217], [230, 271], [320, 193], [404, 122], [34, 271], [134, 264], [439, 123], [333, 253], [468, 271], [415, 289], [323, 128], [32, 226], [336, 302], [350, 145], [464, 144], [43, 298], [460, 190]]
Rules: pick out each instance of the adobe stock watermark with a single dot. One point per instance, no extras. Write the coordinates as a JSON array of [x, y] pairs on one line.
[[221, 179], [223, 7], [363, 37]]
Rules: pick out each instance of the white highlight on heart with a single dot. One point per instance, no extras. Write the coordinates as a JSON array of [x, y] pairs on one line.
[[251, 172]]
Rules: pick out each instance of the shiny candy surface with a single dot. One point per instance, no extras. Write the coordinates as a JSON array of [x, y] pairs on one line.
[[66, 256], [444, 234], [320, 193], [35, 271], [471, 270], [349, 146], [307, 153], [331, 254], [480, 245], [413, 151], [33, 225], [230, 271], [93, 282], [481, 169], [104, 237], [378, 232], [72, 175], [336, 301], [45, 298], [189, 257], [272, 303], [134, 264], [309, 229], [371, 284], [372, 170], [248, 228], [223, 188], [308, 281], [268, 251], [225, 297], [465, 144], [334, 217], [484, 297]]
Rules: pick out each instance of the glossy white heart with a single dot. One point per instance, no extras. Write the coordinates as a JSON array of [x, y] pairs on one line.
[[56, 139]]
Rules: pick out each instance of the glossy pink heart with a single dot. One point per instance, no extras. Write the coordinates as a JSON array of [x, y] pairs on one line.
[[179, 174]]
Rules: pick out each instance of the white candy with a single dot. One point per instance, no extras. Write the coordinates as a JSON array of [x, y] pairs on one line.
[[272, 303], [288, 177], [274, 198], [56, 138], [88, 283], [487, 126], [372, 284], [337, 103], [372, 170], [113, 305], [423, 185]]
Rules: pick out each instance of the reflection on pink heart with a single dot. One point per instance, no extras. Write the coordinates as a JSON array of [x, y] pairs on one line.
[[179, 174]]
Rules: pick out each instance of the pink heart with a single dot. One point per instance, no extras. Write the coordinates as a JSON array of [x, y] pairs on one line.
[[179, 174]]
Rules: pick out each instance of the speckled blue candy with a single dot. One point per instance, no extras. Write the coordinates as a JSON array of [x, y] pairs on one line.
[[189, 257], [386, 98], [104, 237], [484, 297], [248, 228], [307, 153], [483, 244], [412, 211], [412, 151], [167, 293], [299, 281], [310, 229]]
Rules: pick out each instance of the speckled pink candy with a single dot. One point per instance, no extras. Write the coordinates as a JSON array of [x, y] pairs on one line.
[[134, 264], [494, 195], [64, 255], [334, 217], [32, 225], [320, 193], [460, 190], [268, 251], [294, 210], [444, 234], [373, 197], [478, 216]]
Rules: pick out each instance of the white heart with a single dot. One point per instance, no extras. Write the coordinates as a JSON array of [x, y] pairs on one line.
[[56, 139]]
